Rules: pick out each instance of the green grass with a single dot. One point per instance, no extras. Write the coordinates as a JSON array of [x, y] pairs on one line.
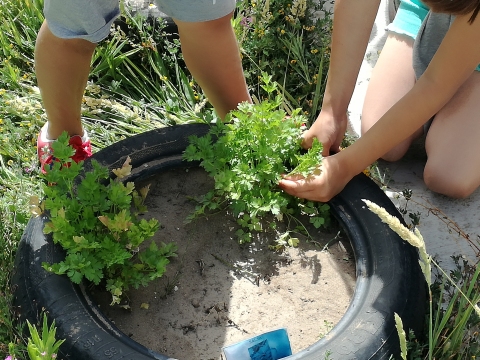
[[138, 82]]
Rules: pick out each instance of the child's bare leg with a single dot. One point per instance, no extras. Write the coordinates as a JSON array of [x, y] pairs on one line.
[[452, 145], [211, 53], [392, 77], [62, 67]]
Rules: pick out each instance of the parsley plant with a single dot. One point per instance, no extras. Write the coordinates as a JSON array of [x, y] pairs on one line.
[[247, 156]]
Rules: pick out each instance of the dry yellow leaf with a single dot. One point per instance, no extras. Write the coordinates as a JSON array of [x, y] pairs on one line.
[[35, 206], [125, 170], [104, 220], [144, 191]]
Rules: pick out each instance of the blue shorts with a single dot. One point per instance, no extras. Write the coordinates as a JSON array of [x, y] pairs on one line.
[[91, 19]]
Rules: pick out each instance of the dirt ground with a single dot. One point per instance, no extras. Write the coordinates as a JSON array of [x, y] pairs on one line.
[[217, 292]]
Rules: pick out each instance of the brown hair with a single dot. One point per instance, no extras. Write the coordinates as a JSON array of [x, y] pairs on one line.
[[455, 7]]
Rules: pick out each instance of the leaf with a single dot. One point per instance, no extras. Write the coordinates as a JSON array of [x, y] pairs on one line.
[[293, 242], [144, 306], [104, 220], [308, 164], [119, 194], [93, 272], [125, 170], [317, 221], [62, 149], [401, 335], [61, 213], [95, 251], [78, 239], [121, 221], [75, 276], [191, 153], [36, 207], [129, 187], [144, 191]]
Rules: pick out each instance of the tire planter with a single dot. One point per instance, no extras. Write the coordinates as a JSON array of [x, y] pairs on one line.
[[389, 279]]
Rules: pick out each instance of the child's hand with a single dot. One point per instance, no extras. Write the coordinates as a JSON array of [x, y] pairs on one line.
[[329, 130], [323, 187]]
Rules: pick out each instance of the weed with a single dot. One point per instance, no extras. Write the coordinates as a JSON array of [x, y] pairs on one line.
[[289, 40], [43, 346], [453, 321]]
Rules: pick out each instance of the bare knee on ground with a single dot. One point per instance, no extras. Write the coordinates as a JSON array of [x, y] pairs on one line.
[[438, 179]]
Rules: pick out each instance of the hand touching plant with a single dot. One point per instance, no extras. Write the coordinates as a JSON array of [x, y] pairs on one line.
[[247, 158]]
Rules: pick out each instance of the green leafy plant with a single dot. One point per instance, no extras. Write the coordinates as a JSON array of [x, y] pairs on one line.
[[247, 156], [94, 223], [44, 347]]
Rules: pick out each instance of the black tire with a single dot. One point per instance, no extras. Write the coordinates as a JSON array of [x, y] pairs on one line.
[[389, 279]]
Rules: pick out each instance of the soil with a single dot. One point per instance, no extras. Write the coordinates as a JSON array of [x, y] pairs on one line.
[[217, 292]]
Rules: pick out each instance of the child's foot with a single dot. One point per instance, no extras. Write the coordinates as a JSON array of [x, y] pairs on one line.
[[83, 149]]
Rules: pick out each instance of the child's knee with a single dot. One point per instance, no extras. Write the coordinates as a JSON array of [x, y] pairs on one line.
[[441, 181]]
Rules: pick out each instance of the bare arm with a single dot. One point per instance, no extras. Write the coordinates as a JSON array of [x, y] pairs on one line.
[[352, 24], [353, 21], [456, 58]]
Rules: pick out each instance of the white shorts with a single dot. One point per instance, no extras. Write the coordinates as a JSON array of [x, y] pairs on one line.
[[91, 19]]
